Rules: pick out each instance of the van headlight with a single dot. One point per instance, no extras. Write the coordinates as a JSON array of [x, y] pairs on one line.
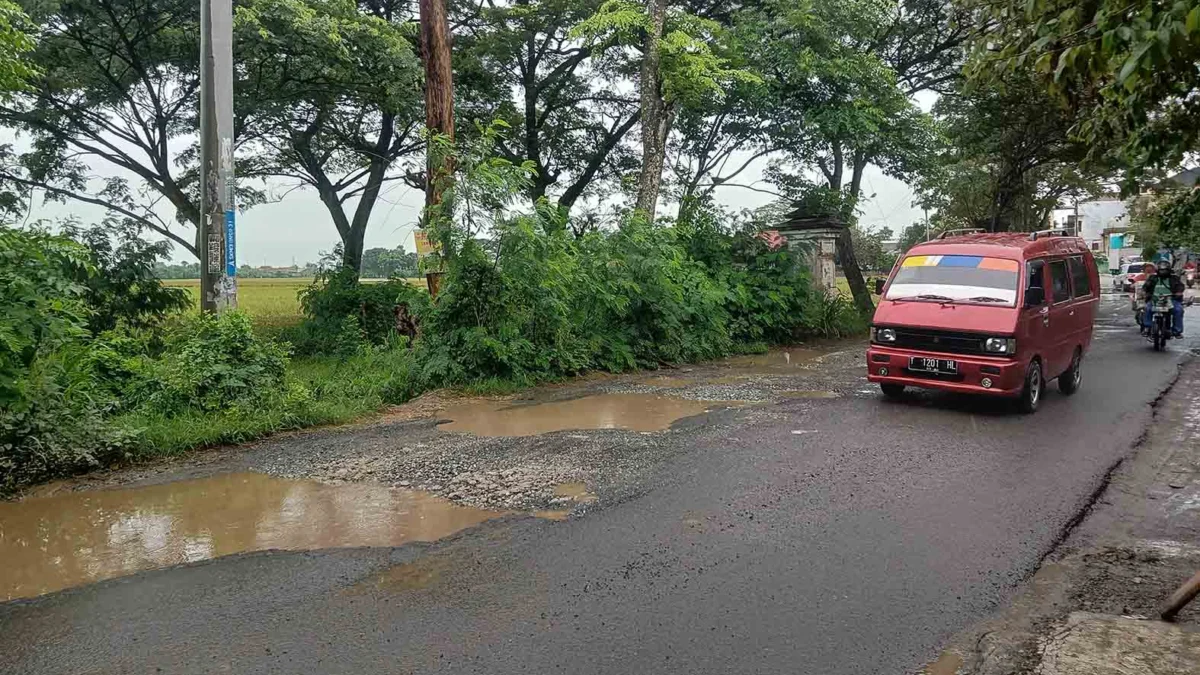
[[884, 335], [996, 345]]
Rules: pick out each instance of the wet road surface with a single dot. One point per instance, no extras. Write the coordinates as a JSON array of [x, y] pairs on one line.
[[838, 535]]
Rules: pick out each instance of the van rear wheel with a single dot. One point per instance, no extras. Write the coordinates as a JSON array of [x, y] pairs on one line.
[[892, 391], [1031, 394], [1068, 382]]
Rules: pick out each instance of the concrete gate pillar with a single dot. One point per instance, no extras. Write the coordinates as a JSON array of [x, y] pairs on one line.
[[814, 240]]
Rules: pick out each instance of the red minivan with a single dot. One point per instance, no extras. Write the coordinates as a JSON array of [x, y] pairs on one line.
[[997, 314]]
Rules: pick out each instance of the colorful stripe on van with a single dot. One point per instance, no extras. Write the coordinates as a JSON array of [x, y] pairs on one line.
[[974, 261]]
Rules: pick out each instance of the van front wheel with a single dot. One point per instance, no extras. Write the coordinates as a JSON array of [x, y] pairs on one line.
[[1031, 394], [892, 391]]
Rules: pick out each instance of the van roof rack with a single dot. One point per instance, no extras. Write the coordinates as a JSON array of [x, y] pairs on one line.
[[962, 231], [1057, 232]]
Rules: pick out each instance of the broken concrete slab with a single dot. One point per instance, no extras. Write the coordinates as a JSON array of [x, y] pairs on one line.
[[1102, 644]]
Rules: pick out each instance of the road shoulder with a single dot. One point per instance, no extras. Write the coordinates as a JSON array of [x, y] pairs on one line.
[[1092, 606]]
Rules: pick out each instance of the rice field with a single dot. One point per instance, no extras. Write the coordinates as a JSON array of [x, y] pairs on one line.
[[272, 303]]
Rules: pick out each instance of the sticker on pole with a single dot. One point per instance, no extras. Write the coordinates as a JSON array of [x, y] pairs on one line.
[[230, 245]]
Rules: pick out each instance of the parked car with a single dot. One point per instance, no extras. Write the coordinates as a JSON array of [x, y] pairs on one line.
[[996, 314], [1133, 276]]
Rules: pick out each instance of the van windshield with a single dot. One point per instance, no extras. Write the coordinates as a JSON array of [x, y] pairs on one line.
[[956, 278]]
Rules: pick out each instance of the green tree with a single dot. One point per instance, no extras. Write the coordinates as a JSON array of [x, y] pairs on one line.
[[115, 92], [329, 96], [1129, 68], [15, 45], [869, 247], [839, 105], [683, 60], [382, 263], [1006, 159], [559, 94]]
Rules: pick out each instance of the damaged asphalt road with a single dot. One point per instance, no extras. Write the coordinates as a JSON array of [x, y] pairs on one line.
[[807, 534]]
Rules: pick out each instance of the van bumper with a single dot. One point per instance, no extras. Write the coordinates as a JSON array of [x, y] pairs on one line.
[[1007, 376]]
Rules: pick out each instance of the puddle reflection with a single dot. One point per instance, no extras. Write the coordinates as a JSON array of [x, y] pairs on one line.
[[637, 412], [55, 542]]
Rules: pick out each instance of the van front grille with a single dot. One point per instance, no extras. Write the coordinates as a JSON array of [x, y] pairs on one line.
[[940, 341]]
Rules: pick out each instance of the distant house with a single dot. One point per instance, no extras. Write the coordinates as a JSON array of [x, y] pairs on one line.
[[1109, 214], [1096, 217]]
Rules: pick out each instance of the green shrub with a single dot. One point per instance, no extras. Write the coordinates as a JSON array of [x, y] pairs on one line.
[[213, 363], [648, 303], [41, 303], [510, 313], [120, 285], [58, 424], [341, 313]]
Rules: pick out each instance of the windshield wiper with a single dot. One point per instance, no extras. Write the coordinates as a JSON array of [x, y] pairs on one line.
[[986, 298], [924, 296]]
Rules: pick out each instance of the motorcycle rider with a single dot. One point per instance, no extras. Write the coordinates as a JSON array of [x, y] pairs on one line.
[[1165, 281]]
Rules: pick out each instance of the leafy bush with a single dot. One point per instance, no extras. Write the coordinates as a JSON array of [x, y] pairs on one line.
[[52, 414], [341, 313], [213, 363], [120, 285], [41, 304], [508, 314], [648, 301], [57, 425]]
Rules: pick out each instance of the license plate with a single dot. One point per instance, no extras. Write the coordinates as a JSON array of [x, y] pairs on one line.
[[930, 365]]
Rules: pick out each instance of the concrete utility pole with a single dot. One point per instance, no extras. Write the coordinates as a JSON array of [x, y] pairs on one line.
[[439, 105], [218, 256]]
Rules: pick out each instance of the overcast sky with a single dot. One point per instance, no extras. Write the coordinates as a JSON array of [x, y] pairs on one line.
[[297, 227]]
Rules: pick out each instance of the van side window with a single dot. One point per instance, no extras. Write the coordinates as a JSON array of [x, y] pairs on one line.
[[1081, 282], [1036, 277], [1060, 283]]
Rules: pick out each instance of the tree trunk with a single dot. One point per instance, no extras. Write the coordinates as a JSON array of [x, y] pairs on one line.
[[439, 94], [352, 239], [845, 245], [656, 118]]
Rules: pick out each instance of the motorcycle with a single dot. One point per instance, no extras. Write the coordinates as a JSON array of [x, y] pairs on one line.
[[1160, 323]]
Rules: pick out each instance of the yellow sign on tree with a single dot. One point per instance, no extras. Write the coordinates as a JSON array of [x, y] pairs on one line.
[[424, 245]]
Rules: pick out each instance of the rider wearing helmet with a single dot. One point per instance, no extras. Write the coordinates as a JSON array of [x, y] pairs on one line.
[[1164, 281]]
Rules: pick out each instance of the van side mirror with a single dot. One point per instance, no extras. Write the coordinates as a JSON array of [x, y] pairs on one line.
[[1035, 297]]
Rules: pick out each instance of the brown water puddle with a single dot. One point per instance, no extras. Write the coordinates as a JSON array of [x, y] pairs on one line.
[[576, 492], [780, 360], [67, 539], [947, 664], [637, 412]]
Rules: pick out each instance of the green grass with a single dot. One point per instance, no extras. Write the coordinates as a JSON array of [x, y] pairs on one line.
[[320, 391]]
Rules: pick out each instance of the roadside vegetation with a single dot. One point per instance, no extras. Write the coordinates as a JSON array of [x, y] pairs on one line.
[[576, 120], [101, 362]]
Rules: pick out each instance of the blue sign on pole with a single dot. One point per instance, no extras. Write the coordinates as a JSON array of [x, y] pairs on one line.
[[1116, 241], [230, 245]]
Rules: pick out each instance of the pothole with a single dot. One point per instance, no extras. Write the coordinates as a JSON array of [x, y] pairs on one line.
[[68, 539], [636, 412]]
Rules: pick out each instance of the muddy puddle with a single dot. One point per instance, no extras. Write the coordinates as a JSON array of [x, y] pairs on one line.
[[636, 412], [775, 361], [53, 542]]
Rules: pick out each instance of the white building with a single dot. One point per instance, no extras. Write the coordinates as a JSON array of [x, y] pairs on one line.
[[1101, 215]]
